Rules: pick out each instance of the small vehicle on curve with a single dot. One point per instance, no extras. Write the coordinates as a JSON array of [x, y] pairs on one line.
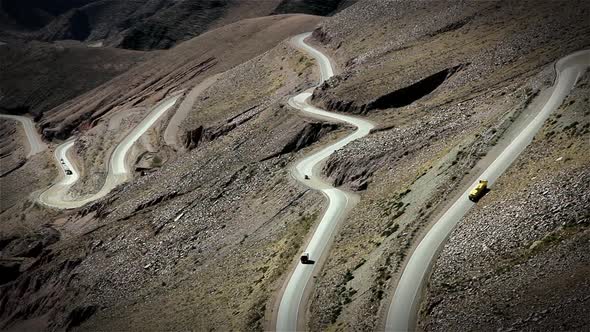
[[68, 172], [305, 258], [481, 189]]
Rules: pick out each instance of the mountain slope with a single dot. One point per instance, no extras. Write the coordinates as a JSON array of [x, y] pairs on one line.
[[37, 76], [142, 25], [445, 80], [164, 246], [138, 25], [205, 234], [533, 230]]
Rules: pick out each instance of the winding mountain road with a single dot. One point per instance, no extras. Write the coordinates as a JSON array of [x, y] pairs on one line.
[[36, 145], [402, 313], [56, 196], [339, 202]]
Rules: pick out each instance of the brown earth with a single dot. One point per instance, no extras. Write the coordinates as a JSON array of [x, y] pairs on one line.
[[177, 69], [37, 77], [519, 260], [20, 177], [444, 81], [12, 152], [205, 238], [165, 246], [139, 25]]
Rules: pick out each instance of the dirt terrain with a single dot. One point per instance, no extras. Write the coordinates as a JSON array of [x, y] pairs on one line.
[[205, 234], [519, 260], [178, 69], [466, 72], [12, 151], [182, 230], [37, 76], [138, 25]]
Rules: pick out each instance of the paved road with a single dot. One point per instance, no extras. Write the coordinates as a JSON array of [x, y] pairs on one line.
[[57, 195], [407, 296], [339, 202], [171, 132], [36, 145], [65, 163]]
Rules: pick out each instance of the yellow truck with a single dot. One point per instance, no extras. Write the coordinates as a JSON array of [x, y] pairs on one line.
[[479, 190]]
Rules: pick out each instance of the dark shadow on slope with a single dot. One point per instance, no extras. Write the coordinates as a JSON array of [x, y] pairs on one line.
[[312, 7], [408, 95], [451, 27], [309, 134]]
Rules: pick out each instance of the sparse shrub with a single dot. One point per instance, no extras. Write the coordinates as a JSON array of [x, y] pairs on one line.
[[348, 276], [360, 263], [390, 230], [157, 161]]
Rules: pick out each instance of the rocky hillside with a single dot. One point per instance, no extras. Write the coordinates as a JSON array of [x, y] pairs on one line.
[[37, 76], [205, 234], [519, 260], [138, 25], [445, 81], [12, 153], [313, 7], [146, 243], [176, 69]]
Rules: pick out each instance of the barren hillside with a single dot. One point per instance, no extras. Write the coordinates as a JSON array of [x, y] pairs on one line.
[[38, 76], [184, 230], [445, 81], [180, 68], [138, 25], [132, 94], [520, 260], [207, 231]]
